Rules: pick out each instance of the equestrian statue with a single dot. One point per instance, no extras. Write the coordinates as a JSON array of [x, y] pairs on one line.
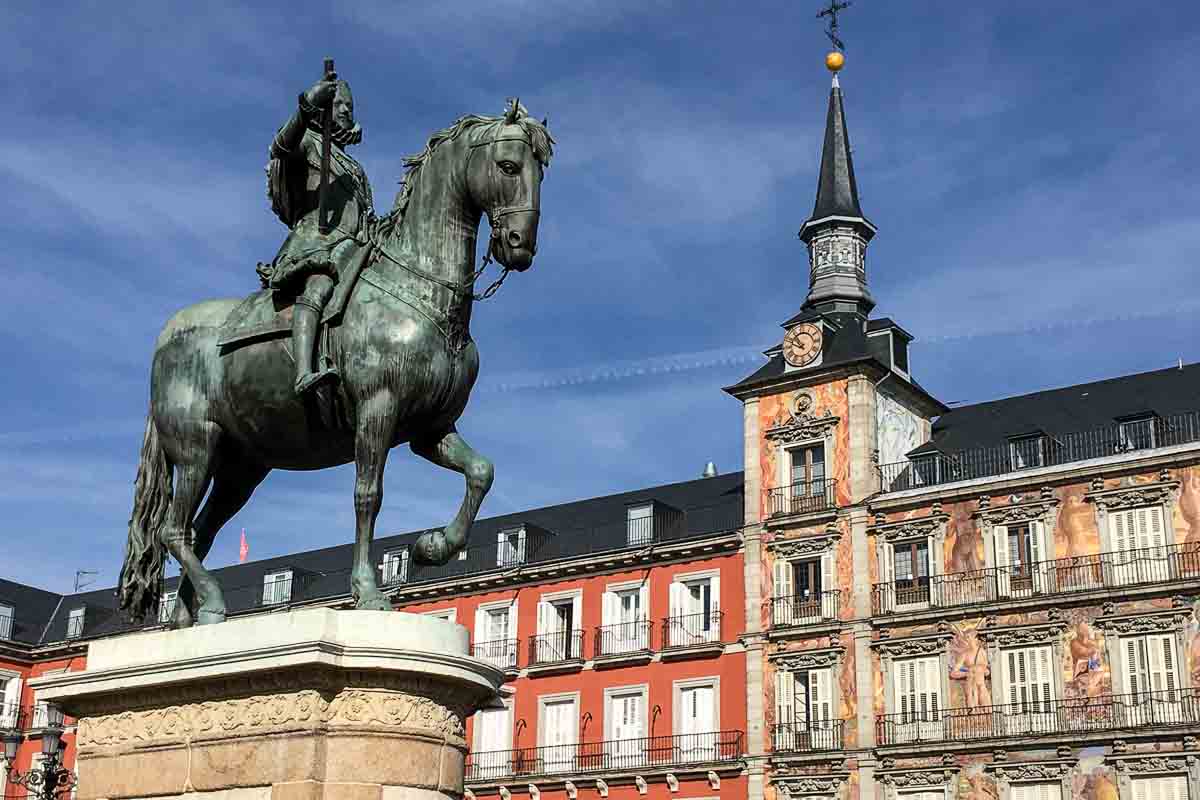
[[359, 341]]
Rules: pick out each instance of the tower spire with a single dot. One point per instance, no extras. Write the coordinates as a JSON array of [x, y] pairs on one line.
[[837, 233]]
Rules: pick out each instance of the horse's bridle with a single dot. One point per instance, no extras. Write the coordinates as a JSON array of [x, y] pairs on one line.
[[497, 214]]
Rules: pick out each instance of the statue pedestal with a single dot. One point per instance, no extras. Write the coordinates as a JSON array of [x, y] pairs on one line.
[[303, 705]]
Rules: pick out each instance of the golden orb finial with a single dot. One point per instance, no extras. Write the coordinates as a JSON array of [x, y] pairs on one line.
[[834, 61]]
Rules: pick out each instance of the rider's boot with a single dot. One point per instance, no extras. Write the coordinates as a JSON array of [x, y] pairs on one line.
[[306, 319]]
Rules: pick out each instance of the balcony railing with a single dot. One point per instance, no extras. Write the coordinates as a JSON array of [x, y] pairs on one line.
[[808, 737], [610, 756], [12, 717], [556, 647], [1153, 710], [6, 625], [795, 610], [623, 637], [690, 630], [44, 716], [1166, 564], [279, 591], [500, 653], [1006, 457], [802, 498]]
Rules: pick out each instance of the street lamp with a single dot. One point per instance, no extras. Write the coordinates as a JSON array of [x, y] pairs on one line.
[[46, 781]]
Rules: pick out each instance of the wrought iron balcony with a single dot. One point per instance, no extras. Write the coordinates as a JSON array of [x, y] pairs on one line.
[[12, 717], [500, 653], [1040, 451], [623, 637], [796, 610], [556, 647], [6, 624], [1153, 565], [1150, 710], [620, 755], [808, 497], [808, 737], [692, 630]]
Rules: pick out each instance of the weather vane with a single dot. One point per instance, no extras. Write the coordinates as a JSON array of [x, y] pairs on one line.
[[832, 12]]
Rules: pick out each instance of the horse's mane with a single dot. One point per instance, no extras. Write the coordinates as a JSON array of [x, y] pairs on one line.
[[539, 137]]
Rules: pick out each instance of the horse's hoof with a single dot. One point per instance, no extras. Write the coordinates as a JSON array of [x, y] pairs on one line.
[[209, 617]]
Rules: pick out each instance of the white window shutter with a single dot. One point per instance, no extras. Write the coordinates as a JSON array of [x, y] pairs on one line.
[[481, 632], [609, 609], [521, 545], [1122, 535], [1132, 671], [1000, 545], [828, 584], [785, 697], [545, 619], [1157, 530], [1164, 675], [715, 584], [930, 687], [887, 574], [783, 592], [1037, 542], [820, 695], [678, 607]]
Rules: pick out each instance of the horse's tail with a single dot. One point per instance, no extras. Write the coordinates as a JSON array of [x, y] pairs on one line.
[[140, 584]]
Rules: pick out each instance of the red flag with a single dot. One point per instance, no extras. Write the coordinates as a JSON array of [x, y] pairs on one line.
[[244, 550]]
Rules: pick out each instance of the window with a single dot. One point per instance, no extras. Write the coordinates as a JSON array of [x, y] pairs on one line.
[[639, 524], [1136, 434], [1027, 451], [395, 567], [277, 587], [10, 699], [803, 591], [1035, 791], [1162, 787], [625, 727], [1020, 553], [1150, 679], [496, 635], [510, 547], [1028, 690], [6, 622], [917, 699], [492, 741], [695, 616], [906, 566], [75, 622], [448, 614], [804, 710], [166, 606], [557, 732], [696, 719], [807, 470], [926, 470], [559, 636], [625, 617], [1138, 538]]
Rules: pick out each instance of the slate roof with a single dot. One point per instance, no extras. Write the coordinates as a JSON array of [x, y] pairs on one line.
[[837, 191], [1078, 408], [594, 525]]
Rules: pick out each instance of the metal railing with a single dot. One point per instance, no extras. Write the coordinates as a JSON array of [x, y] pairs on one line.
[[1003, 458], [803, 498], [663, 522], [690, 630], [1171, 708], [43, 715], [279, 591], [500, 653], [12, 717], [6, 623], [556, 647], [795, 610], [1165, 564], [75, 623], [608, 756], [623, 637], [808, 737]]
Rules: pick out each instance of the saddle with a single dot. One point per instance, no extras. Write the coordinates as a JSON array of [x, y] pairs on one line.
[[267, 314]]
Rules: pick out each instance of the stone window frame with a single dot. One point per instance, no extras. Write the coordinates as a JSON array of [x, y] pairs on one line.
[[804, 548], [1006, 773], [1125, 626], [1154, 765], [1008, 637], [803, 428], [1044, 509], [924, 646], [797, 661], [1164, 492], [897, 783], [931, 527], [811, 787]]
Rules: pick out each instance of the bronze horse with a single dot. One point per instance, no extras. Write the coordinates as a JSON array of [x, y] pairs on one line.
[[402, 347]]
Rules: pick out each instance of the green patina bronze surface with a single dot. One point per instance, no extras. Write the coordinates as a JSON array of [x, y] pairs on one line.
[[234, 389]]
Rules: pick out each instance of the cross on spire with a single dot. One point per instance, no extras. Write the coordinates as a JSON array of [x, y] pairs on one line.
[[832, 12]]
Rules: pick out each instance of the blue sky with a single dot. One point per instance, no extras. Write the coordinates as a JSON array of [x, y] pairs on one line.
[[1032, 168]]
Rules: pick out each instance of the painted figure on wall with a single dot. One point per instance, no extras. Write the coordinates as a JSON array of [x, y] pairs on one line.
[[969, 666], [1086, 670]]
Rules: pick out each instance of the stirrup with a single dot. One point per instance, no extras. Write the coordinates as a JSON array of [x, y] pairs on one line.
[[310, 381]]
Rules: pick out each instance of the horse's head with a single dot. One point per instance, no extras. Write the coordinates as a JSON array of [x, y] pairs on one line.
[[504, 176]]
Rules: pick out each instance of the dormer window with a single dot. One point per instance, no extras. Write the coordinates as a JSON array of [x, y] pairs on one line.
[[6, 622], [510, 547], [75, 623], [277, 587], [395, 567], [639, 524], [1136, 433], [1027, 451], [166, 606]]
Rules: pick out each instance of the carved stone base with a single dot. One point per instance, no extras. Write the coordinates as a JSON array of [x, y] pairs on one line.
[[308, 705]]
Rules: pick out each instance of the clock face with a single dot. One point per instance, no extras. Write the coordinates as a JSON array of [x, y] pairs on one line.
[[802, 344]]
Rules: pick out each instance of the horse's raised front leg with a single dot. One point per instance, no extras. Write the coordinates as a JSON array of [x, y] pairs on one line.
[[377, 417], [451, 451]]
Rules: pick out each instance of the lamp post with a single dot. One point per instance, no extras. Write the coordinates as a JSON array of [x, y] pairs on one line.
[[46, 781]]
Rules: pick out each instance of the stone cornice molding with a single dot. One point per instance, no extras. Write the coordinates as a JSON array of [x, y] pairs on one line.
[[1014, 771], [803, 424], [916, 528], [800, 660], [1038, 510], [1021, 635], [1167, 620], [926, 645], [805, 545], [1152, 763], [1135, 496], [802, 785], [918, 778]]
